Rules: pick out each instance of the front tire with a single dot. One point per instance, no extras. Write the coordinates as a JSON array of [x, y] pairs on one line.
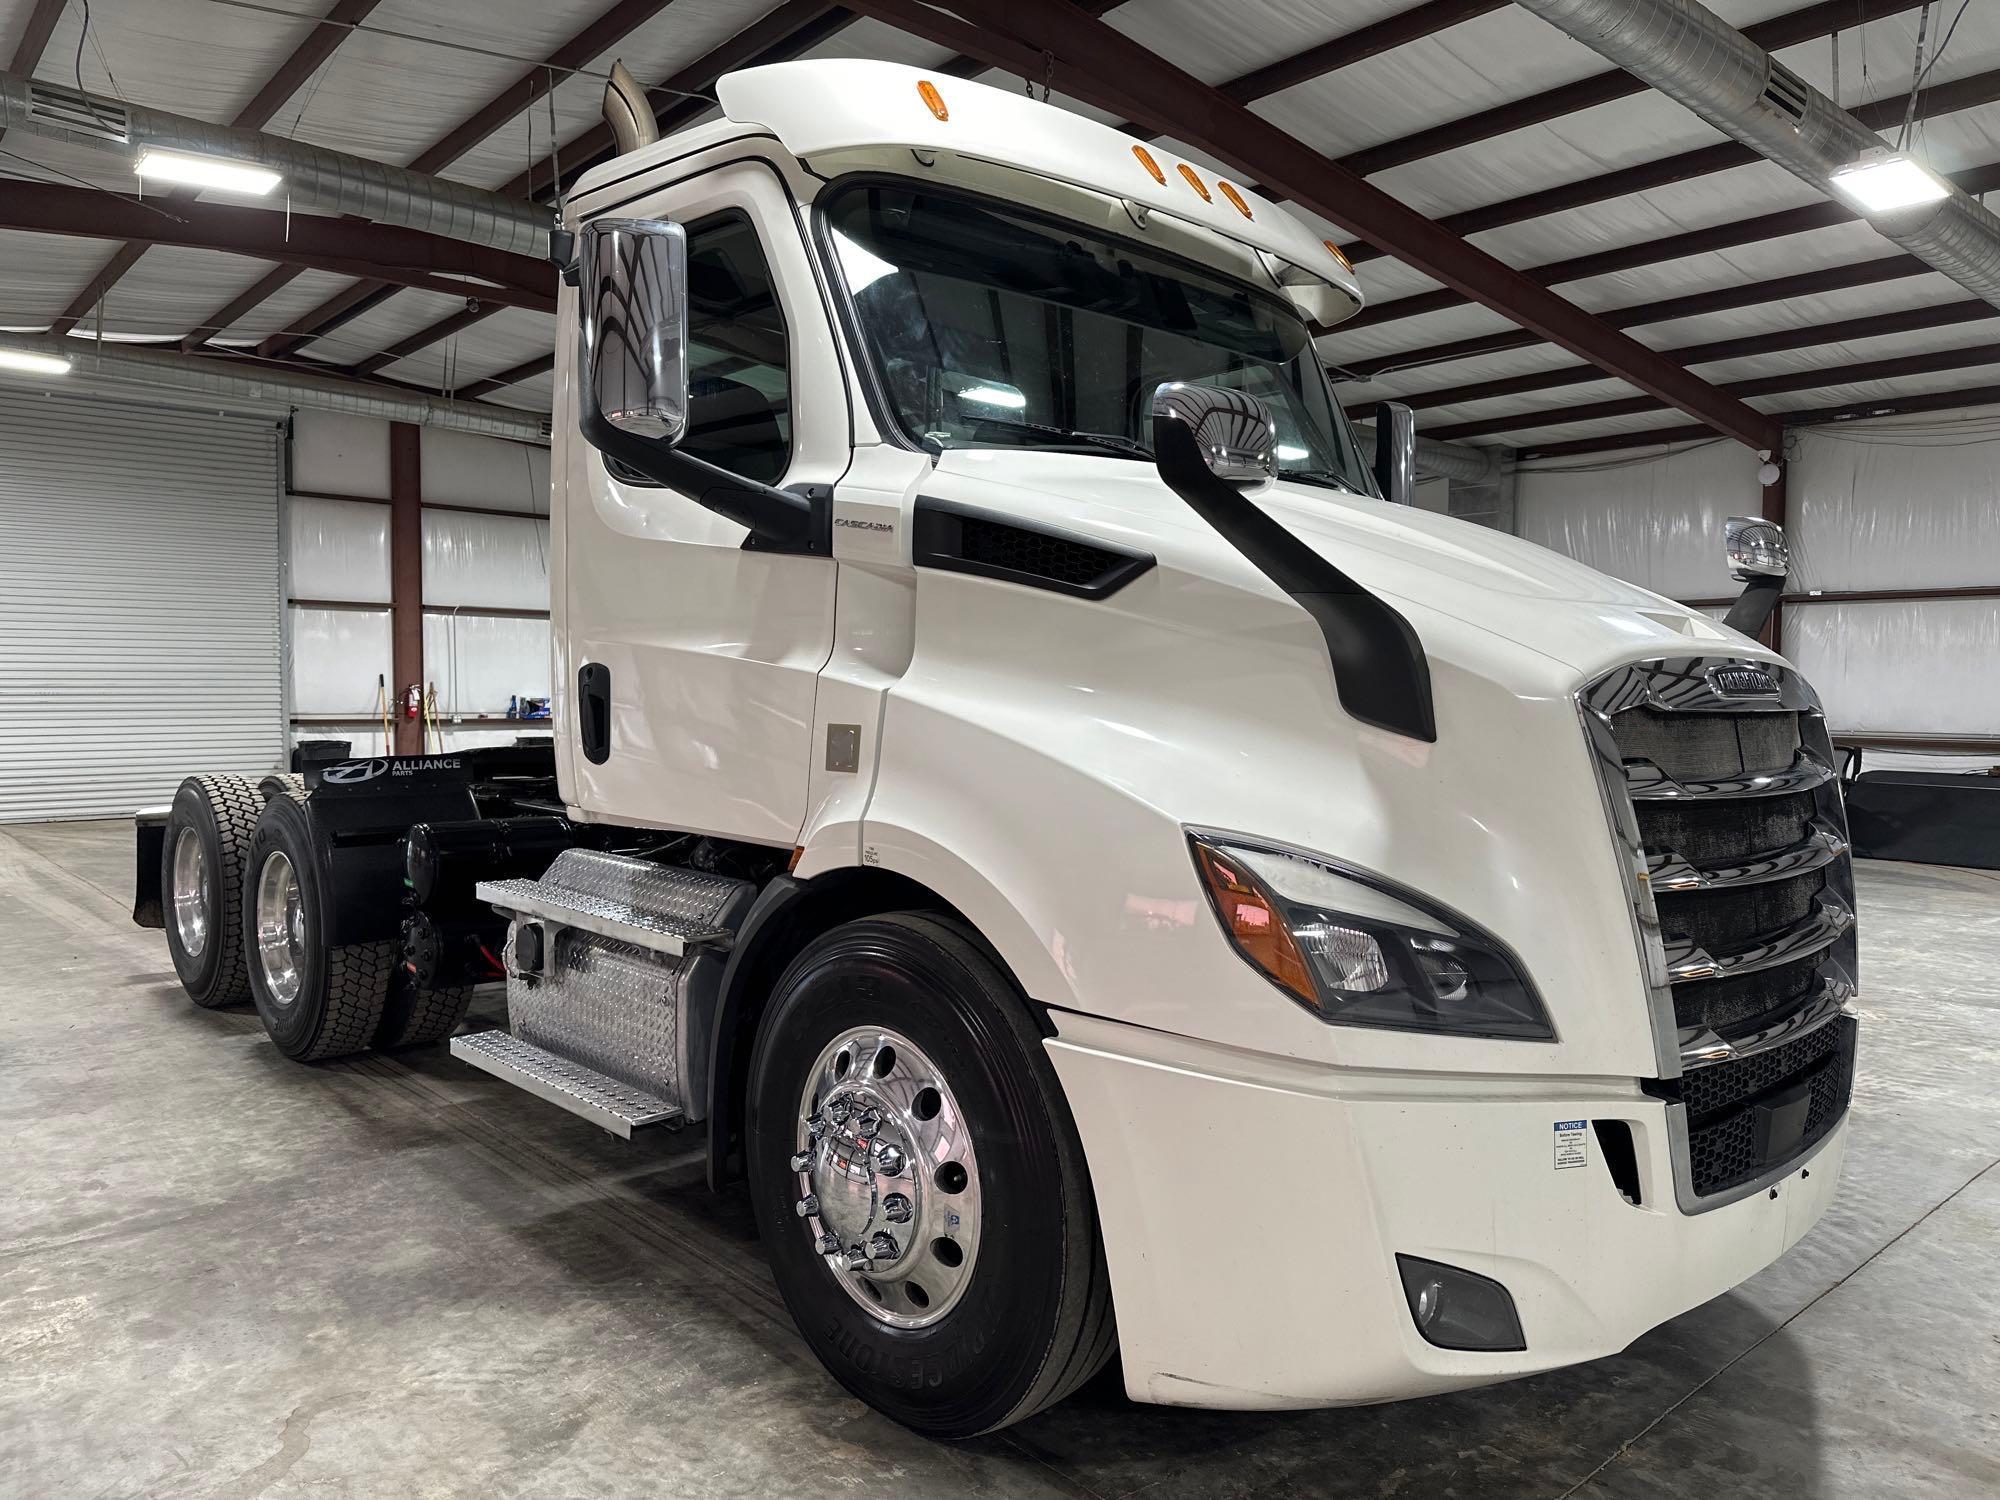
[[315, 1001], [201, 879], [946, 1101]]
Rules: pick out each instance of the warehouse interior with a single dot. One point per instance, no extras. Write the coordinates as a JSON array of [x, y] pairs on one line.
[[275, 474]]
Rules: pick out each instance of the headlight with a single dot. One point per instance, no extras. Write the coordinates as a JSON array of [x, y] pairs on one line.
[[1357, 951]]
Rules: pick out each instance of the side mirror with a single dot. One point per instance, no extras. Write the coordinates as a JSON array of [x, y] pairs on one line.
[[1233, 432], [1395, 451], [632, 384], [1756, 548], [633, 321]]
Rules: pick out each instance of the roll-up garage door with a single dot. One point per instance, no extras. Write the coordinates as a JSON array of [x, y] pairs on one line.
[[139, 602]]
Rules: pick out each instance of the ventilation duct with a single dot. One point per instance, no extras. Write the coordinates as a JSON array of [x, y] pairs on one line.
[[331, 181], [1458, 461], [627, 113], [1692, 56], [197, 375]]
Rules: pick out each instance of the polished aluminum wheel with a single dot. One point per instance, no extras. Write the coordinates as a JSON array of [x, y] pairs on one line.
[[281, 928], [192, 892], [888, 1177]]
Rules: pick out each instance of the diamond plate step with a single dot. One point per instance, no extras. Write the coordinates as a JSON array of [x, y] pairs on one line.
[[617, 1107], [606, 916]]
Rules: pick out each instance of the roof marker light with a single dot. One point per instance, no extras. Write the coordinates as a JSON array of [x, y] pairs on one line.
[[1335, 251], [1229, 192], [33, 364], [1194, 181], [1146, 161], [933, 100], [218, 172]]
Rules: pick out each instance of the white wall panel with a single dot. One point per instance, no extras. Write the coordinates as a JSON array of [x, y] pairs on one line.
[[461, 469], [485, 562], [336, 657], [1657, 523], [1896, 508], [336, 454], [339, 550], [1896, 667], [479, 661]]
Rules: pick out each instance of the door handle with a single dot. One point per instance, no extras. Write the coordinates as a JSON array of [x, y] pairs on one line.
[[593, 710]]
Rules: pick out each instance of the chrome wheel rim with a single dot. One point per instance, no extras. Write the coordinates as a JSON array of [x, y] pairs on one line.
[[887, 1177], [191, 892], [281, 928]]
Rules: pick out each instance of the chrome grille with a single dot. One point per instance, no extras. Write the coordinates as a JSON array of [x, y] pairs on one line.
[[1718, 778]]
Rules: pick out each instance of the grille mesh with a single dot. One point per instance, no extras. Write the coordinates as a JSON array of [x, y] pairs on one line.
[[1727, 920], [1722, 1113], [1712, 833], [1690, 747]]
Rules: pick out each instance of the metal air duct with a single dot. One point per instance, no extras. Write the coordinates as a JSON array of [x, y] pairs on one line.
[[1691, 55], [329, 180], [1459, 461], [196, 375]]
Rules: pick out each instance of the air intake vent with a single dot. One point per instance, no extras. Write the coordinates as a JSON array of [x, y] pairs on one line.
[[1785, 92], [66, 109], [960, 539]]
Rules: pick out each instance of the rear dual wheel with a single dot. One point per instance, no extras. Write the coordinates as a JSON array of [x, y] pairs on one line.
[[918, 1181]]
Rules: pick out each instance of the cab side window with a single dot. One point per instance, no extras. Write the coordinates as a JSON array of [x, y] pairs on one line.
[[739, 354]]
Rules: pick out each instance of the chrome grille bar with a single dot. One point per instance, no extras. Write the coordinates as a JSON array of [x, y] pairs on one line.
[[1702, 1046], [1646, 782], [1830, 920], [1819, 848]]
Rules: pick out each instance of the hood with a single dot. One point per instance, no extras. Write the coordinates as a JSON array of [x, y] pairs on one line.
[[1485, 578]]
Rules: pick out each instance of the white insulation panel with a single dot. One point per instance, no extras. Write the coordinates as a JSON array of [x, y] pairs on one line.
[[1658, 524], [337, 655], [485, 562], [339, 550], [335, 454], [1902, 507], [477, 662], [461, 469], [1902, 667]]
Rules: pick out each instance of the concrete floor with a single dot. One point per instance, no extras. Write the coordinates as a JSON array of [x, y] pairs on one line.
[[223, 1274]]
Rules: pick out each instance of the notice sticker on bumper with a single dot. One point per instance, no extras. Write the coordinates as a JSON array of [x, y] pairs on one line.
[[1570, 1149]]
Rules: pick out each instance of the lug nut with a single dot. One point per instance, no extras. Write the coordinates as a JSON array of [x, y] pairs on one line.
[[802, 1162], [807, 1206], [889, 1159], [896, 1209], [837, 1110], [856, 1257], [816, 1127], [826, 1244], [883, 1247], [869, 1122]]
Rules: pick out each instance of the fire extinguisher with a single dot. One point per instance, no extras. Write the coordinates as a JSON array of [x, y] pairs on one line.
[[413, 700]]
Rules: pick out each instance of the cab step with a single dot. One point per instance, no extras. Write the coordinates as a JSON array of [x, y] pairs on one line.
[[598, 1098], [658, 907]]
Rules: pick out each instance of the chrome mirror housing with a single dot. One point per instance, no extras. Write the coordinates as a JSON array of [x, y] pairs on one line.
[[1234, 432], [1395, 452], [632, 319], [1756, 548]]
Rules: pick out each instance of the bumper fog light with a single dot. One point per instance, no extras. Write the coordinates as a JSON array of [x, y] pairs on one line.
[[1457, 1309]]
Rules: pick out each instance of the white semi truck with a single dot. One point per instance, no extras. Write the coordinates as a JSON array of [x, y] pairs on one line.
[[1112, 879]]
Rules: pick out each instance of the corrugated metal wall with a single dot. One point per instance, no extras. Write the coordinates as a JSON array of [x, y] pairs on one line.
[[139, 613]]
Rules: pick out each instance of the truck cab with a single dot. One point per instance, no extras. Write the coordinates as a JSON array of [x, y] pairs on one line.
[[1116, 882]]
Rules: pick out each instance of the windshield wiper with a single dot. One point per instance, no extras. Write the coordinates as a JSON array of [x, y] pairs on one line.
[[1115, 441], [1325, 479]]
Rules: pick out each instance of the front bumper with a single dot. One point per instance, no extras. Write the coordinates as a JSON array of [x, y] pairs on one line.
[[1252, 1208]]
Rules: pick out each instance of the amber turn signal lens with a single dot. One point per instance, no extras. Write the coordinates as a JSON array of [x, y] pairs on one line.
[[1334, 250], [1195, 182], [1256, 928], [1146, 161], [1229, 192], [933, 99]]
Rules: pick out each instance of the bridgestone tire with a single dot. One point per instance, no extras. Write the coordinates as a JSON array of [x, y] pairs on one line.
[[413, 1016], [341, 990], [287, 783], [1034, 1320], [221, 811]]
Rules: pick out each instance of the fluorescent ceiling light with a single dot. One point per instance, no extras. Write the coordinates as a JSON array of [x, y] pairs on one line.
[[33, 364], [994, 395], [1881, 182], [207, 172]]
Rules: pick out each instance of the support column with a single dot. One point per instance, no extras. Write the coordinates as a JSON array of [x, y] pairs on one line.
[[406, 578], [1776, 507]]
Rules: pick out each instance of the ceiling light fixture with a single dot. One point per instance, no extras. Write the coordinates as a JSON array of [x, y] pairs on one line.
[[1882, 181], [217, 172], [33, 364]]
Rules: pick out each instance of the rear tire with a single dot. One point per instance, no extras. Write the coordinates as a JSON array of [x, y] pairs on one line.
[[316, 1002], [1026, 1306], [201, 885], [414, 1017]]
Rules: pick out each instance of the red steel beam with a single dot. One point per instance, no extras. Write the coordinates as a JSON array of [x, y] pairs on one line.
[[337, 311], [406, 577], [423, 338], [1090, 61], [1895, 367], [526, 370], [244, 301], [1356, 46], [408, 257], [333, 29]]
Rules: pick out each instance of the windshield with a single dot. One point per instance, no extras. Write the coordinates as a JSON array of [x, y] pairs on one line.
[[991, 327]]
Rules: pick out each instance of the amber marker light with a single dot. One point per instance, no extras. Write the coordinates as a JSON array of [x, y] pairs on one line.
[[1146, 161], [1334, 250], [1228, 191], [1252, 925], [1194, 181], [933, 100]]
